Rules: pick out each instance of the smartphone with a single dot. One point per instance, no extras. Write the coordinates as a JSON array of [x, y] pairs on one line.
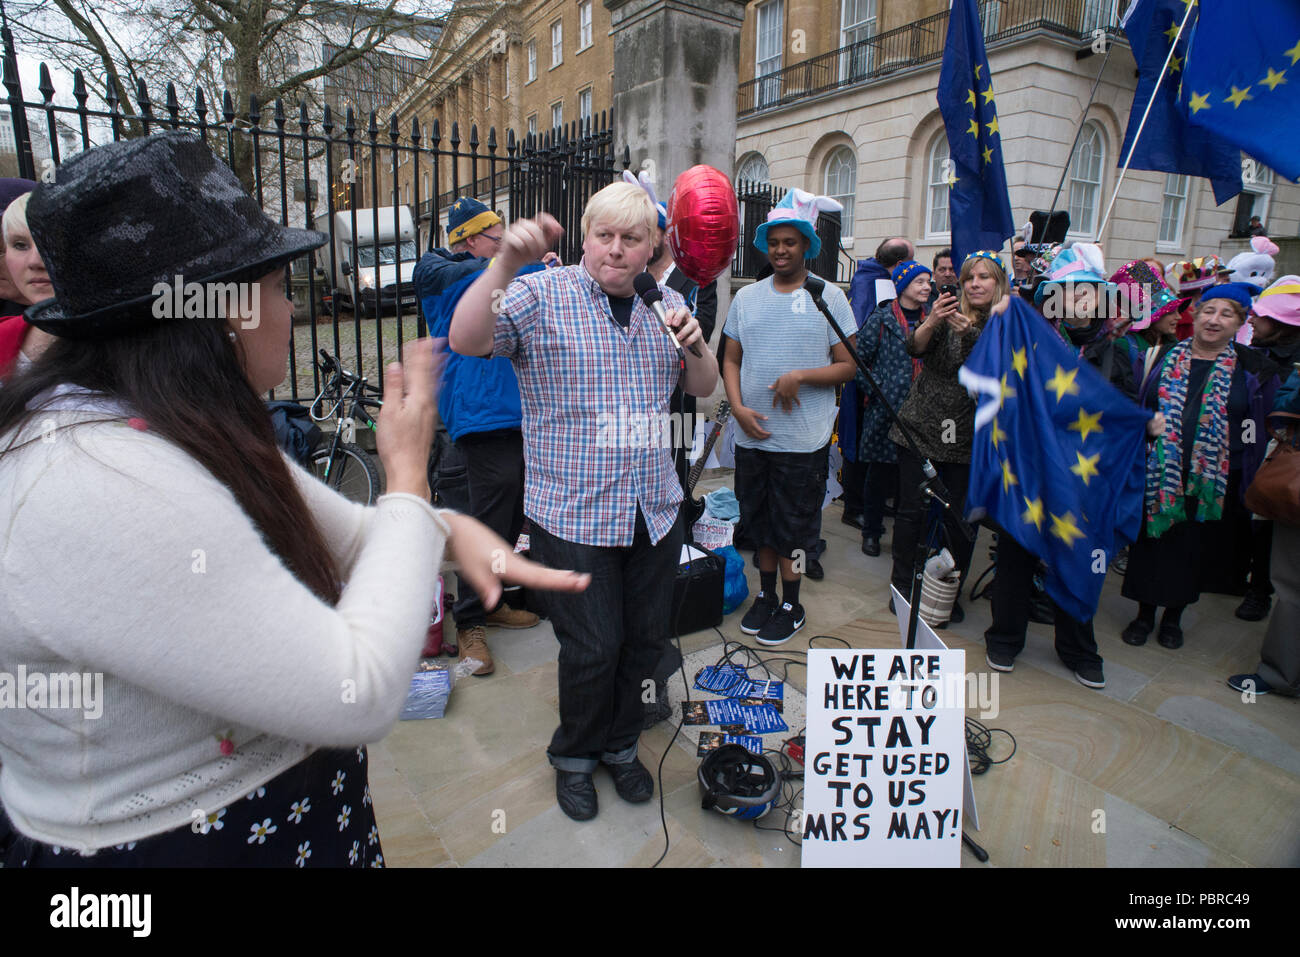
[[948, 289]]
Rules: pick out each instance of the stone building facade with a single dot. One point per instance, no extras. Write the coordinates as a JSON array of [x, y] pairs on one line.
[[840, 98]]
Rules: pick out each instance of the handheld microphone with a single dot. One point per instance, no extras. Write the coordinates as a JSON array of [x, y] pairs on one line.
[[814, 285], [648, 290]]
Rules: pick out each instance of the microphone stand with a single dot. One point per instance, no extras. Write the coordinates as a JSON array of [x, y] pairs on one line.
[[932, 489]]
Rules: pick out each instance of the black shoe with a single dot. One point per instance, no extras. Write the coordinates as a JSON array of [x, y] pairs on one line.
[[1000, 662], [1091, 676], [815, 570], [1171, 636], [871, 546], [576, 794], [1137, 632], [1254, 607], [759, 613], [1249, 684], [852, 518], [781, 627], [632, 781]]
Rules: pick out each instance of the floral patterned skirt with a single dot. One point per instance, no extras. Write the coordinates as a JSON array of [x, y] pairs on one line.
[[316, 814]]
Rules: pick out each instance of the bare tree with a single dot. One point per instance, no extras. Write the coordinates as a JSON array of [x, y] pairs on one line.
[[262, 49]]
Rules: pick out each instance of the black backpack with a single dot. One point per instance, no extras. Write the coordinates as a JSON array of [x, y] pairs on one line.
[[295, 431]]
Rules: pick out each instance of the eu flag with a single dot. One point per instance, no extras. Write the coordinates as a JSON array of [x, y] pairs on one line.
[[1168, 144], [978, 206], [1242, 81], [1059, 453]]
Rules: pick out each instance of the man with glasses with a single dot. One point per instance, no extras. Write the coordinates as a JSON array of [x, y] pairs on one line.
[[479, 405]]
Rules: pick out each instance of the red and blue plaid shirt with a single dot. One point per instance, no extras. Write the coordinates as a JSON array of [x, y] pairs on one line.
[[595, 402]]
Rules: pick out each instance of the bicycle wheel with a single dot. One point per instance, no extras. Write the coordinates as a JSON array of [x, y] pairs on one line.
[[351, 472]]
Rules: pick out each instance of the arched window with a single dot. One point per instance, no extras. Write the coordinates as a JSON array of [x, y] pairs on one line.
[[1085, 181], [753, 168], [938, 182], [842, 184]]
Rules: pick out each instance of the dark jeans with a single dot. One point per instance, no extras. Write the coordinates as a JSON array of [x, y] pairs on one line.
[[854, 476], [494, 464], [880, 482], [611, 637], [909, 523], [1012, 583]]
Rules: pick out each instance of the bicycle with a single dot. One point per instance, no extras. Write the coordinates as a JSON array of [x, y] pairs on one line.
[[340, 463]]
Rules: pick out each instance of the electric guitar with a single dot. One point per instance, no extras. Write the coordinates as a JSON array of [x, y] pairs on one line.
[[692, 506]]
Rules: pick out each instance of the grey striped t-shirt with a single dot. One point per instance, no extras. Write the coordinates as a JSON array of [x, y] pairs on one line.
[[779, 332]]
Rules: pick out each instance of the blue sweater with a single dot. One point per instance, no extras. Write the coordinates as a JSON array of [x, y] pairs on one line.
[[477, 395]]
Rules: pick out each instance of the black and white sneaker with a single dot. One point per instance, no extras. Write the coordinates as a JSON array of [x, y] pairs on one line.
[[759, 614], [781, 627]]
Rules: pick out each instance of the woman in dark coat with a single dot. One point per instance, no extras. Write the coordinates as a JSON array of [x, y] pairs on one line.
[[1199, 465], [882, 347]]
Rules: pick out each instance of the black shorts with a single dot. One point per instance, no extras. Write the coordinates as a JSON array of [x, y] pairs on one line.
[[781, 495]]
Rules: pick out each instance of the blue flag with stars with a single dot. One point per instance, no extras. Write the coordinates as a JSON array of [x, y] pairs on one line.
[[978, 206], [1059, 454], [1242, 80], [1169, 144]]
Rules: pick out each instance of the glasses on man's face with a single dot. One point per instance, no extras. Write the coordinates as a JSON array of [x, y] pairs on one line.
[[495, 239]]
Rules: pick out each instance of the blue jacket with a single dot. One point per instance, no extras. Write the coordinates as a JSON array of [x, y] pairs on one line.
[[1288, 397], [477, 395]]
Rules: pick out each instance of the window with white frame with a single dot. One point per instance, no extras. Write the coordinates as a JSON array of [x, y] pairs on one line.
[[938, 183], [1256, 193], [532, 60], [584, 104], [532, 125], [1173, 210], [857, 25], [557, 43], [1085, 181], [584, 25], [841, 183], [753, 168], [557, 114], [989, 17], [771, 44]]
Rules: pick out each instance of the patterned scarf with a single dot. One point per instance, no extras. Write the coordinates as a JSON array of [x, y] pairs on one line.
[[907, 330], [1207, 476]]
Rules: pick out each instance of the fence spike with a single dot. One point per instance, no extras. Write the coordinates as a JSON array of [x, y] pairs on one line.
[[254, 111], [415, 132], [455, 135], [279, 114], [303, 122], [350, 123], [173, 106], [492, 140], [327, 121], [394, 131], [373, 130], [201, 106], [79, 89], [45, 86], [436, 136], [473, 137]]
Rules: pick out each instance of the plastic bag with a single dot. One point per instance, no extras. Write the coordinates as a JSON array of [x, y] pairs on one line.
[[735, 589]]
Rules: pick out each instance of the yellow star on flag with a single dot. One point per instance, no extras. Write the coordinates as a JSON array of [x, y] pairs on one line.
[[1200, 101], [1175, 64], [1008, 477], [1274, 78], [1020, 361], [1034, 512], [987, 94], [1237, 97], [980, 66], [952, 179], [1007, 391], [992, 125], [1086, 424], [1172, 31], [998, 434], [1064, 528], [1063, 383], [970, 97], [1086, 467], [974, 128], [1294, 53], [988, 154]]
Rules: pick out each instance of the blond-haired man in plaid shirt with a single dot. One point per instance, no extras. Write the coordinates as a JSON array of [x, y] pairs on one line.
[[589, 353]]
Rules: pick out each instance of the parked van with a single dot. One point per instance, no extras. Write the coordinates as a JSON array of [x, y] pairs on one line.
[[369, 271]]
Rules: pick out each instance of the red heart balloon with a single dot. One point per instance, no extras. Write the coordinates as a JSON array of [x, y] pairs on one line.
[[703, 223]]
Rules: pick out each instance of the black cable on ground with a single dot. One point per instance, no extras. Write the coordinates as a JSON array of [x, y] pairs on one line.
[[979, 739]]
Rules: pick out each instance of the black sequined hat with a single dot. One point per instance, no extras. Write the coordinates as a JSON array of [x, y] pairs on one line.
[[120, 219]]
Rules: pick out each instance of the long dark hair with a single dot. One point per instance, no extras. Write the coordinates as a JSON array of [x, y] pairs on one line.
[[183, 377]]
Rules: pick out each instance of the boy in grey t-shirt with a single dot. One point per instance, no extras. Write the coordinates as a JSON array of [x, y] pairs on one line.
[[781, 369]]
